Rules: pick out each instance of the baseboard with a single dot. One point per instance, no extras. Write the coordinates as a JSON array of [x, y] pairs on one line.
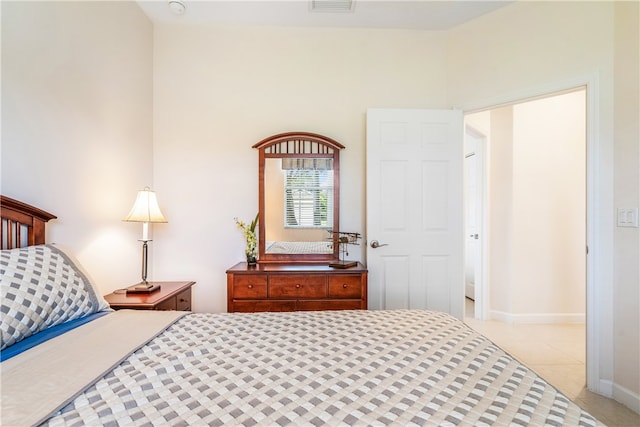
[[627, 397], [605, 388], [503, 316], [620, 394]]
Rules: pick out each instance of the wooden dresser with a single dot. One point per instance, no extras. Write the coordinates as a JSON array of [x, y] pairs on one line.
[[295, 287]]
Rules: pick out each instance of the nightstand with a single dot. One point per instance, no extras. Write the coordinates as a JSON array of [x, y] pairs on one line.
[[171, 296]]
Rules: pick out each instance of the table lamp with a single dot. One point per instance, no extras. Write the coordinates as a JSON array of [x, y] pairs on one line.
[[145, 210]]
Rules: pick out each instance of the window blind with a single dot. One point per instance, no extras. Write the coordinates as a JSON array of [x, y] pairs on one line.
[[308, 198]]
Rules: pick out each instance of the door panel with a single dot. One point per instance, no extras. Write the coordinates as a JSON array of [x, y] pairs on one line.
[[435, 197], [396, 282], [394, 186], [435, 271], [414, 209]]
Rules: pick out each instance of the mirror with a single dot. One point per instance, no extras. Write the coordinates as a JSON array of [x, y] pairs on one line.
[[299, 199]]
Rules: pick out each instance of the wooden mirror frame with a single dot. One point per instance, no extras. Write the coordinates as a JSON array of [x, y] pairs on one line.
[[297, 145]]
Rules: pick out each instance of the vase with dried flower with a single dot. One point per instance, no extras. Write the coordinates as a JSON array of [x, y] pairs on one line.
[[249, 233]]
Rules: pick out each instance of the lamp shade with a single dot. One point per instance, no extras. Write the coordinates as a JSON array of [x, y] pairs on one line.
[[145, 208]]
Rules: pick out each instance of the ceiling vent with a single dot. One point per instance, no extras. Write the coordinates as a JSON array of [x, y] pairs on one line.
[[332, 5]]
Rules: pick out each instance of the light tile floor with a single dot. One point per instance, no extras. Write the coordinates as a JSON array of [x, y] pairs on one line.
[[556, 352]]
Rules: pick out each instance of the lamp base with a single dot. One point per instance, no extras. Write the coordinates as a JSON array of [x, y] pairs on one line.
[[143, 288]]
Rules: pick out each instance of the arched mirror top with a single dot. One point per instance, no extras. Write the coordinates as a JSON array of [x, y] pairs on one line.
[[298, 143], [299, 197]]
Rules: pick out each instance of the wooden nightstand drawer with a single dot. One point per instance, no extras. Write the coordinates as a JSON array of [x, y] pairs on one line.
[[183, 301], [297, 286], [169, 304], [250, 287], [345, 286]]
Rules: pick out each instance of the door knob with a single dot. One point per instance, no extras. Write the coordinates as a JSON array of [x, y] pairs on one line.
[[376, 244]]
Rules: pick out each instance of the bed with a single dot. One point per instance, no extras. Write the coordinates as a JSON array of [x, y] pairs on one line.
[[299, 247], [397, 367]]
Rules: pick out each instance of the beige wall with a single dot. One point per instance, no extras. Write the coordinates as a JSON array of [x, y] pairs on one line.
[[627, 194], [500, 222], [220, 90], [549, 155], [76, 124]]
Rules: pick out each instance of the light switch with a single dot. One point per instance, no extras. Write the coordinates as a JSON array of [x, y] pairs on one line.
[[627, 217]]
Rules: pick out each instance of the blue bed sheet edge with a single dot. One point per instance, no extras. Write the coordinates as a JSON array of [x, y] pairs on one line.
[[46, 335]]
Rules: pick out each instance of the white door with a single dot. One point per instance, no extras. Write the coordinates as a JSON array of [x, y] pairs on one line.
[[415, 220], [474, 234], [470, 229], [473, 212]]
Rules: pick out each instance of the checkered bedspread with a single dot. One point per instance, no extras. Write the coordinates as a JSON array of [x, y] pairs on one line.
[[321, 368]]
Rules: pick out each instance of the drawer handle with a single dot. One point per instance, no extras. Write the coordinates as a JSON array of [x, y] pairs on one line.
[[344, 285], [183, 300], [250, 286], [298, 285]]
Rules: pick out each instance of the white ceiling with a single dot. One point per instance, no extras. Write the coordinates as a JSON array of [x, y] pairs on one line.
[[401, 14]]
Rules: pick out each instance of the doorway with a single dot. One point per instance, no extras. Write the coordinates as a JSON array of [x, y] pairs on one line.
[[536, 209]]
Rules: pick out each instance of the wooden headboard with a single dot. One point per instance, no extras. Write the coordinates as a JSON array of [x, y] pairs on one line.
[[22, 224]]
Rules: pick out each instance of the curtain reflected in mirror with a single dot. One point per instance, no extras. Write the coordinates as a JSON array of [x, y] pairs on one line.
[[299, 205]]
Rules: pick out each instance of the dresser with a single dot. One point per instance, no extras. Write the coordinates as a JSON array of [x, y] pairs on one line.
[[295, 287]]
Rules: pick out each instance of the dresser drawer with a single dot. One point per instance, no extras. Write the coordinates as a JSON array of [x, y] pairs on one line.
[[297, 286], [336, 304], [248, 286], [183, 300], [345, 286], [256, 306]]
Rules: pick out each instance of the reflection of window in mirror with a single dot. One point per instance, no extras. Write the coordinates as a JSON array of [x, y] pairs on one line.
[[308, 189], [299, 199]]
